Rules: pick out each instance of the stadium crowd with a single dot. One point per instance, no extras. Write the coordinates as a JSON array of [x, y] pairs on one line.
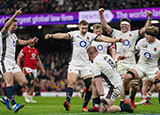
[[50, 6]]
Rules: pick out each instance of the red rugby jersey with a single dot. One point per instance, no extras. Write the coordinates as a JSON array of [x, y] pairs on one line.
[[30, 57]]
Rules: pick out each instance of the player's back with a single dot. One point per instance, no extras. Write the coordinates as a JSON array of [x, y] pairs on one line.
[[108, 68]]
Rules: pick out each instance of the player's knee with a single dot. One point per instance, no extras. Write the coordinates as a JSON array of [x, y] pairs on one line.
[[88, 82], [24, 82], [130, 75], [71, 83], [157, 83], [126, 80]]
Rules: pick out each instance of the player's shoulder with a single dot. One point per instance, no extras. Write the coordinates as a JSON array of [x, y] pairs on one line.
[[142, 40], [75, 31]]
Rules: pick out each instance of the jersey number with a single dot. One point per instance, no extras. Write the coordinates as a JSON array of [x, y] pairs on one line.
[[110, 62]]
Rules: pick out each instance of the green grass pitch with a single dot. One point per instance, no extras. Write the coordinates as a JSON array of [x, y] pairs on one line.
[[54, 106]]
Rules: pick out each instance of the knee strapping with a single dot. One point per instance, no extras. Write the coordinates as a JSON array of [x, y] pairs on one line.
[[29, 77], [157, 81], [88, 82], [131, 73]]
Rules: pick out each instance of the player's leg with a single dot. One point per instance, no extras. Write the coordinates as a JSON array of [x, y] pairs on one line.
[[30, 86], [133, 90], [71, 79], [149, 94], [8, 77], [157, 84], [95, 98], [106, 105], [122, 69], [88, 81], [22, 81], [131, 74]]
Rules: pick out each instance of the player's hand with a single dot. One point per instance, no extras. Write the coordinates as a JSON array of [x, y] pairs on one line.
[[102, 108], [47, 36], [35, 39], [121, 58], [149, 13], [18, 12], [157, 74], [101, 11], [119, 40]]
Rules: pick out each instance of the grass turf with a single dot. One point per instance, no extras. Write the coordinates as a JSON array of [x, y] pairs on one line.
[[54, 106]]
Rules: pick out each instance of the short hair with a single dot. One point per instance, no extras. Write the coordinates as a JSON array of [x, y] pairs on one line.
[[97, 26], [152, 30], [83, 22], [8, 19], [125, 19], [91, 50]]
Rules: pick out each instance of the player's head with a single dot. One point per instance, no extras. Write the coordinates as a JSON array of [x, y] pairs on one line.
[[13, 27], [125, 25], [151, 33], [83, 26], [92, 52], [97, 29], [31, 44]]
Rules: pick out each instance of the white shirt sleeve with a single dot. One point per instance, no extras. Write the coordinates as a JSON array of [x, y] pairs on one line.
[[139, 44]]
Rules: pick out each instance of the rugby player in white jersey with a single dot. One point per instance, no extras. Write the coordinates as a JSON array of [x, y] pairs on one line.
[[102, 48], [107, 82], [8, 66], [79, 64], [125, 53], [147, 66]]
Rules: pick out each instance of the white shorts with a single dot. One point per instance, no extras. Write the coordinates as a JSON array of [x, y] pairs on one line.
[[112, 93], [123, 68], [27, 70], [9, 66], [142, 71], [81, 71]]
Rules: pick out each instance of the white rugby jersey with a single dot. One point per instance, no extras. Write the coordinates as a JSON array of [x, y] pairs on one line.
[[80, 45], [126, 48], [149, 53], [8, 46], [103, 65], [102, 47]]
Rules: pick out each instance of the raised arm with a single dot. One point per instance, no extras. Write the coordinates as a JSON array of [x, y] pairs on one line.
[[9, 22], [105, 25], [57, 36], [148, 23], [26, 42], [108, 39]]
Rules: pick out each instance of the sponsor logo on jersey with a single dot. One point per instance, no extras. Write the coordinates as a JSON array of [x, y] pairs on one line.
[[100, 47], [83, 44], [14, 43], [147, 55], [126, 42]]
